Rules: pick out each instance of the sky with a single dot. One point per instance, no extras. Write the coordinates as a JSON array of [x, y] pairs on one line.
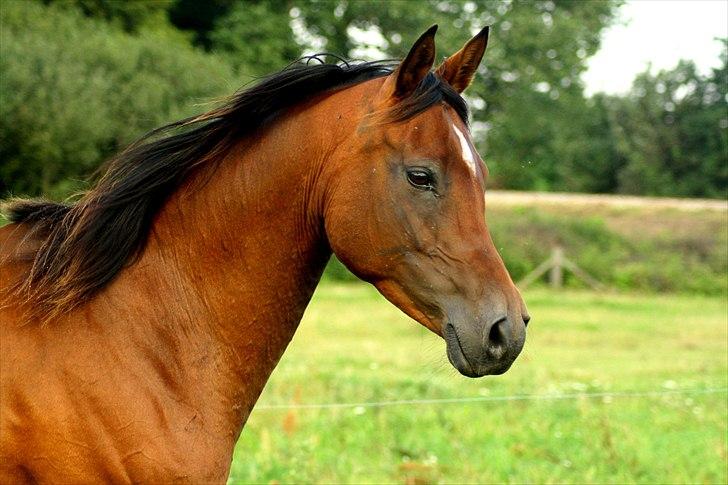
[[660, 32]]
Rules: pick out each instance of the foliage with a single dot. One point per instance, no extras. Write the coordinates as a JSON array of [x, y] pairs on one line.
[[617, 249], [589, 156], [201, 17], [353, 346], [76, 90], [673, 133], [81, 78], [239, 36], [131, 16]]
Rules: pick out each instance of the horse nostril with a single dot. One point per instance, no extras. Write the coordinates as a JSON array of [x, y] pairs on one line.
[[526, 319], [498, 337], [495, 336]]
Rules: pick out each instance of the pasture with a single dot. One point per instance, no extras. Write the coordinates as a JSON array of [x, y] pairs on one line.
[[353, 347]]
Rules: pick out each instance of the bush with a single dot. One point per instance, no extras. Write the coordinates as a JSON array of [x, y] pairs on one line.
[[75, 90]]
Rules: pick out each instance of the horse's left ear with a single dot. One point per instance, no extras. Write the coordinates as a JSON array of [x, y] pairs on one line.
[[459, 69]]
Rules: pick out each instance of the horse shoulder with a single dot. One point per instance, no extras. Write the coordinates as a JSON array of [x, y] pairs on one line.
[[77, 392]]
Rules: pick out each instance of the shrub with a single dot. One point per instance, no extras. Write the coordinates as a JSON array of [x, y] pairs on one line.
[[75, 90]]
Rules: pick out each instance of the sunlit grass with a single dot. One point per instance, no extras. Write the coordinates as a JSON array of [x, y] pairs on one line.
[[353, 347]]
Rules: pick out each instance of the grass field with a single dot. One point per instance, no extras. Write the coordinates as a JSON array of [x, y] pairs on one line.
[[354, 347]]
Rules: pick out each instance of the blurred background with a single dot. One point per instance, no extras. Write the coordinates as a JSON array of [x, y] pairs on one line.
[[628, 288]]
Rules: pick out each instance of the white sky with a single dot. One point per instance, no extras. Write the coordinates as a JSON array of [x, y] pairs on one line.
[[661, 32]]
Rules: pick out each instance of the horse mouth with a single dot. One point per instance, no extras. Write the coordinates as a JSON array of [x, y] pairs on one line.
[[478, 368], [455, 353]]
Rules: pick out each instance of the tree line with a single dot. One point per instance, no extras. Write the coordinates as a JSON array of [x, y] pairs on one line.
[[80, 79]]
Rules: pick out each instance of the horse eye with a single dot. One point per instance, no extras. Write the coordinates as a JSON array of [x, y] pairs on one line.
[[422, 179]]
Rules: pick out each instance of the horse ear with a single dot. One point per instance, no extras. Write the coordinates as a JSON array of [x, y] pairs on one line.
[[420, 59], [459, 69]]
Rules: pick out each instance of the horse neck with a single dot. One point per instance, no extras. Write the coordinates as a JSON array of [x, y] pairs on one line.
[[235, 256]]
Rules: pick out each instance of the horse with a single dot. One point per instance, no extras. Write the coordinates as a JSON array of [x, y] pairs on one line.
[[140, 323]]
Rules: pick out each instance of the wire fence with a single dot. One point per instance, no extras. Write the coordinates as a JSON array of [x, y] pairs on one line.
[[485, 399]]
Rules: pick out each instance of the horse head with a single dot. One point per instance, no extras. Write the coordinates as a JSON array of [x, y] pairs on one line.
[[407, 211]]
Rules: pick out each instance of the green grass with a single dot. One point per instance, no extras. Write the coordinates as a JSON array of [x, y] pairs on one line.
[[353, 346]]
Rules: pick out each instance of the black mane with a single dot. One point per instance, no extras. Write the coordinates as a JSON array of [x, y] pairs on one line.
[[85, 245]]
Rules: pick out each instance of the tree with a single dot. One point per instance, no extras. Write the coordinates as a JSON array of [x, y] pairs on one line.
[[589, 158], [672, 130], [76, 90], [130, 16], [256, 38]]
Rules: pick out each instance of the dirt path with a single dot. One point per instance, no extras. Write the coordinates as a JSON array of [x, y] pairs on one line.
[[513, 198]]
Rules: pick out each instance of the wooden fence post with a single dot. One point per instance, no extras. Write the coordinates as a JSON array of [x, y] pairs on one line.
[[555, 265], [556, 274]]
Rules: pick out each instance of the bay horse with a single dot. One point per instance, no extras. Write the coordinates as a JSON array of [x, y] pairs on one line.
[[140, 324]]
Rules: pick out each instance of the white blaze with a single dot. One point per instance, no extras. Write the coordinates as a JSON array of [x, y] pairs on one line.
[[468, 154]]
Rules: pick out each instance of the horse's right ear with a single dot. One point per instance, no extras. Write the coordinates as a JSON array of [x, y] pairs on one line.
[[408, 75]]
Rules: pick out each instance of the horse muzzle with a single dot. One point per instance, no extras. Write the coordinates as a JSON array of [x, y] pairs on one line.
[[480, 350]]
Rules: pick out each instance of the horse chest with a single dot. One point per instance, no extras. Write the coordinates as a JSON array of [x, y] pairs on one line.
[[137, 442]]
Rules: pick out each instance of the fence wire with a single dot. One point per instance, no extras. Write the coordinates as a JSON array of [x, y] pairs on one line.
[[473, 399]]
